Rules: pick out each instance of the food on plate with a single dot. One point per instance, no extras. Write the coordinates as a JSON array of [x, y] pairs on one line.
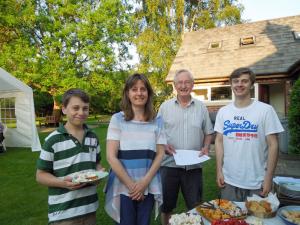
[[228, 207], [229, 222], [91, 176], [220, 209], [260, 209], [259, 206], [185, 219], [292, 216], [266, 205], [212, 214], [254, 221], [85, 177]]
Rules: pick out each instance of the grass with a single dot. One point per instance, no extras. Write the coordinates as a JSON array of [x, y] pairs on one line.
[[24, 202]]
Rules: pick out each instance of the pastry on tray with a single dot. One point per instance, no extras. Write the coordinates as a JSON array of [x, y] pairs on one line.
[[290, 214], [262, 207]]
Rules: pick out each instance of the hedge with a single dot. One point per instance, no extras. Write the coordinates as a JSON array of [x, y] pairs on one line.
[[294, 119]]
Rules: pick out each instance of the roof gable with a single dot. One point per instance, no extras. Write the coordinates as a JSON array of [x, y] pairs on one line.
[[274, 52]]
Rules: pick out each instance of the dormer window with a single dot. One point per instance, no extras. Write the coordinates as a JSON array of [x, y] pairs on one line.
[[215, 45], [249, 40], [296, 35]]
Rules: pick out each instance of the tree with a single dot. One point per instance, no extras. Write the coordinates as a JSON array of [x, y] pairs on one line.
[[54, 45], [161, 25], [109, 101], [158, 37], [207, 14], [294, 119]]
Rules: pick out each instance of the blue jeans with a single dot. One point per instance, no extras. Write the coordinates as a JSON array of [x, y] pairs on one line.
[[136, 212]]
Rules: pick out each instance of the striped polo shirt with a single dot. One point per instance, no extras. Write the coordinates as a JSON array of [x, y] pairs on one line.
[[185, 127], [63, 155], [137, 151]]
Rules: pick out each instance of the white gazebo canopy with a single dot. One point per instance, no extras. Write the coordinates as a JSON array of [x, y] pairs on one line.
[[25, 133]]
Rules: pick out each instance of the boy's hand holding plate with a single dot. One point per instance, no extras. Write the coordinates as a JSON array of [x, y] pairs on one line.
[[89, 177]]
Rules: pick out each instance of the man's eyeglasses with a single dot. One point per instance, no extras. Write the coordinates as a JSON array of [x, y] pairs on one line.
[[185, 83]]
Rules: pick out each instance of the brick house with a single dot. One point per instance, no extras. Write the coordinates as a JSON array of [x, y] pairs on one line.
[[271, 48]]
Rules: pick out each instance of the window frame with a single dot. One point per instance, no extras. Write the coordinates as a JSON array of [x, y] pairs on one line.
[[220, 44], [243, 41], [209, 88], [8, 107]]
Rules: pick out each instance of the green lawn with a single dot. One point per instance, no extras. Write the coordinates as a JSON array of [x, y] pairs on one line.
[[24, 202]]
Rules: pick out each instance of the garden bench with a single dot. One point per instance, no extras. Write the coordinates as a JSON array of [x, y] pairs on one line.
[[49, 120]]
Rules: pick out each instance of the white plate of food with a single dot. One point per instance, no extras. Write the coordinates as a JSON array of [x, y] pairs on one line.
[[88, 177], [290, 214]]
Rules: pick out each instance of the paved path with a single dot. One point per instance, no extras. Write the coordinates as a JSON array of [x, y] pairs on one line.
[[288, 165]]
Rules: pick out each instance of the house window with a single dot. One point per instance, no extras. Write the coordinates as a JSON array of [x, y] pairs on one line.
[[201, 94], [221, 93], [296, 35], [215, 45], [7, 112], [249, 40]]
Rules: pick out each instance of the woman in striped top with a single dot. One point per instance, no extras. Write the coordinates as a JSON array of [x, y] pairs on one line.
[[135, 148]]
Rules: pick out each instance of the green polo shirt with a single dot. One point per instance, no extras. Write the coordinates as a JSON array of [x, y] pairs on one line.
[[63, 155]]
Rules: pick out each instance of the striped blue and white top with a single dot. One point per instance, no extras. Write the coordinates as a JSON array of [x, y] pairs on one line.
[[137, 151]]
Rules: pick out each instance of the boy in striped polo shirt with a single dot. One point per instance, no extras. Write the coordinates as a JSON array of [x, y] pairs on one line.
[[71, 148]]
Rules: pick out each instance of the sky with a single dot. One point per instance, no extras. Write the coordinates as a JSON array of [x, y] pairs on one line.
[[256, 10]]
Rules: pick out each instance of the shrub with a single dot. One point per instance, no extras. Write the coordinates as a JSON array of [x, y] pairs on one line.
[[43, 103], [294, 119]]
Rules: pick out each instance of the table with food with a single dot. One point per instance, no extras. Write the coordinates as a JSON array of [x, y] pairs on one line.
[[255, 211]]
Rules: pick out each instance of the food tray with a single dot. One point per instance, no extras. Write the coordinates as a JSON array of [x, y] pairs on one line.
[[288, 208], [210, 219], [215, 214], [260, 214]]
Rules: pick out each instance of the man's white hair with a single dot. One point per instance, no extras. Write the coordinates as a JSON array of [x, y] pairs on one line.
[[183, 71]]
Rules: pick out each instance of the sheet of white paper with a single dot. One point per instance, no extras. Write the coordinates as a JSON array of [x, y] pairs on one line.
[[188, 157]]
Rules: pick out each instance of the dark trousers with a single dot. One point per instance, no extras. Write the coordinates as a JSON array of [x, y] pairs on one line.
[[174, 179], [136, 212], [1, 137], [1, 140]]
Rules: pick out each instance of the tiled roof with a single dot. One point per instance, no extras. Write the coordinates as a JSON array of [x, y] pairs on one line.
[[274, 51]]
